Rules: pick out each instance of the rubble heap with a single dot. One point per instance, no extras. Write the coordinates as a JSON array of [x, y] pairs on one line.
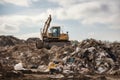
[[9, 41], [94, 56], [87, 57]]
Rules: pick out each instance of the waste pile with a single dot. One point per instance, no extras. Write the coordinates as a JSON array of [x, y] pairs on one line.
[[89, 56], [9, 41]]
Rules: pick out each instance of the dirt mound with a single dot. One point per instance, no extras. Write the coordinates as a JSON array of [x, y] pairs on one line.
[[32, 40], [9, 41]]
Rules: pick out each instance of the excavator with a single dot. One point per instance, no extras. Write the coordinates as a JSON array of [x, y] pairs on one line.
[[52, 36]]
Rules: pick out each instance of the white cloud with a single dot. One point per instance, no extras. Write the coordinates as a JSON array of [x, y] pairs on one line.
[[17, 21], [35, 0], [66, 3], [90, 12], [104, 36], [87, 12], [24, 3], [8, 28], [26, 36]]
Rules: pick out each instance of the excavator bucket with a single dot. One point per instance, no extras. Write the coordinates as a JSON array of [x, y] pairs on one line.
[[39, 44]]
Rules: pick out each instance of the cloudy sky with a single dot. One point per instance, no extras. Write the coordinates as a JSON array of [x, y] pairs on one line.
[[98, 19]]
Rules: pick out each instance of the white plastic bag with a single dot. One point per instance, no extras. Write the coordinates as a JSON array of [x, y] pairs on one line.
[[19, 66]]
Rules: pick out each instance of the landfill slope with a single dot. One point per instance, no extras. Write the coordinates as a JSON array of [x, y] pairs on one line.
[[88, 57]]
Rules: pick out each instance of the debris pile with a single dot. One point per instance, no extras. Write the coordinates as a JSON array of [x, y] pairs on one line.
[[87, 57], [9, 41], [26, 54], [94, 56]]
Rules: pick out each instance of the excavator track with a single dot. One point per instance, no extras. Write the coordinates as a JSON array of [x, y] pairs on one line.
[[59, 44], [40, 44]]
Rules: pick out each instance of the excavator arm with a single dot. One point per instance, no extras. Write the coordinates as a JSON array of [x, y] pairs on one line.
[[46, 26], [40, 43]]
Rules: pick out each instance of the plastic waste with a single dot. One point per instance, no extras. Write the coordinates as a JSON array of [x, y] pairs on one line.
[[19, 66]]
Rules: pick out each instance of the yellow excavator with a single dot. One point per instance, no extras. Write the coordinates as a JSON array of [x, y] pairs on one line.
[[54, 37]]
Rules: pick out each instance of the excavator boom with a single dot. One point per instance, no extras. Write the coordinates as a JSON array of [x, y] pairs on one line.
[[46, 26]]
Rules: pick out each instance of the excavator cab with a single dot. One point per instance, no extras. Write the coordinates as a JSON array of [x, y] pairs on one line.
[[55, 31]]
